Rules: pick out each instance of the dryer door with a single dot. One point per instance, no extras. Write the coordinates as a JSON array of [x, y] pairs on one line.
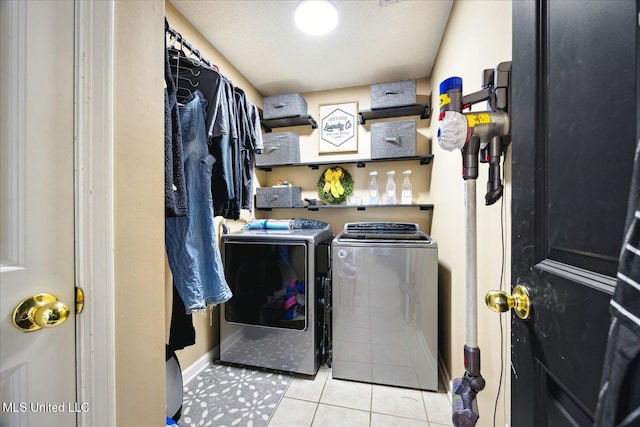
[[268, 283]]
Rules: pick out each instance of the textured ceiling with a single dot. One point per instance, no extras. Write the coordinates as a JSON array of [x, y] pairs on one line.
[[375, 41]]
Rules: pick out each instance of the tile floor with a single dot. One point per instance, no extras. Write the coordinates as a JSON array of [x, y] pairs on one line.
[[324, 402]]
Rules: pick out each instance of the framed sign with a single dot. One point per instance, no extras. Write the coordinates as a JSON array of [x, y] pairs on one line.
[[339, 128]]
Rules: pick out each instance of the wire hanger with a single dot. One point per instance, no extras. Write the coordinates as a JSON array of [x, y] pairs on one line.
[[185, 44]]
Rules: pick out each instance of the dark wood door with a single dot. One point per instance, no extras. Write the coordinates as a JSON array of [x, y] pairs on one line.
[[575, 126]]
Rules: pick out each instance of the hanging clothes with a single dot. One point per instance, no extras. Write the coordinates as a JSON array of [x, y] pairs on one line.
[[224, 140], [249, 144], [243, 147], [181, 331], [232, 123], [192, 74], [175, 193], [257, 146], [220, 135], [191, 241], [619, 397]]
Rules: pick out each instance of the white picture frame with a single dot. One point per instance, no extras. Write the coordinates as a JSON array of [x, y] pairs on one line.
[[338, 128]]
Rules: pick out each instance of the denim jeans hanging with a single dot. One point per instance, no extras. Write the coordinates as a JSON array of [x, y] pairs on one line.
[[191, 241]]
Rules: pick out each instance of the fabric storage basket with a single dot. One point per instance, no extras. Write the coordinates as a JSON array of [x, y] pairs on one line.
[[281, 106], [280, 148], [393, 139], [278, 197], [396, 94]]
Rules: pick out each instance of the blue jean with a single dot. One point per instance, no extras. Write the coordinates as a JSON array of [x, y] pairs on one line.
[[192, 245]]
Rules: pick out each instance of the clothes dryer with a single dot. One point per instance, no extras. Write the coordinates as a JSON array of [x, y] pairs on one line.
[[275, 318]]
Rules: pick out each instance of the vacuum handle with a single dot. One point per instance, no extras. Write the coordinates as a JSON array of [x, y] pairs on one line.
[[494, 184]]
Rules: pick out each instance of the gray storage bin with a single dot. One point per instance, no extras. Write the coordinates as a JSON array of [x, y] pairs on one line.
[[278, 197], [281, 106], [280, 148], [395, 94], [393, 139]]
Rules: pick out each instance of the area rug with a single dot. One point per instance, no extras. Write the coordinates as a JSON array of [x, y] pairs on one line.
[[224, 395]]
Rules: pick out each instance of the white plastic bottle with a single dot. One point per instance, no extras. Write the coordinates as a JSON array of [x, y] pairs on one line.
[[374, 197], [390, 195], [407, 193]]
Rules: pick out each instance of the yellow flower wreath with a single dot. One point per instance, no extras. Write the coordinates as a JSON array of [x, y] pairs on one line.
[[335, 185]]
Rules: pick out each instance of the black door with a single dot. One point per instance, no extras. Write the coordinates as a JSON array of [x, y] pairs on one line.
[[574, 136]]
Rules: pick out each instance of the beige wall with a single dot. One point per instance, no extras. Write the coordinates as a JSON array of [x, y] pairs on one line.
[[139, 213], [478, 36]]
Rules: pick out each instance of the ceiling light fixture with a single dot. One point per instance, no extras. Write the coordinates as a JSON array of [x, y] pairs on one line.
[[316, 17]]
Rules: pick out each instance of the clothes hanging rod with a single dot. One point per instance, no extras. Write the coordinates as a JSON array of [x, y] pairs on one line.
[[173, 33]]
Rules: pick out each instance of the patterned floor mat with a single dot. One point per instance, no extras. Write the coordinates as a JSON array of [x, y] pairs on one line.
[[224, 395]]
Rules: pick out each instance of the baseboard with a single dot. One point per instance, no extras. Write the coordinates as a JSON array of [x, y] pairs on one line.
[[446, 378], [192, 370]]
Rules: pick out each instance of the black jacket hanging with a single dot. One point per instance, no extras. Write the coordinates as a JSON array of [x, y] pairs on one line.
[[175, 193]]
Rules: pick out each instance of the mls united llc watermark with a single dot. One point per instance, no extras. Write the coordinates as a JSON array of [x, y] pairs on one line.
[[45, 407]]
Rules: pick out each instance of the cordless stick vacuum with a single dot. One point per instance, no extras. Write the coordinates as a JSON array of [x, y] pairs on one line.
[[482, 137]]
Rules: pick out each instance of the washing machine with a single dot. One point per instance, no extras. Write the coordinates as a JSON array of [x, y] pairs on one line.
[[385, 305]]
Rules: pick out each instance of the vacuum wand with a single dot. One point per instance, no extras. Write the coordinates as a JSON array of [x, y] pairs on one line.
[[465, 408]]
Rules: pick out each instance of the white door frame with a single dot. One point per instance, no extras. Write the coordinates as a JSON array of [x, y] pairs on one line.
[[94, 207]]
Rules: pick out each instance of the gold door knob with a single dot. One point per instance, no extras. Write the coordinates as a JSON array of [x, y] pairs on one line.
[[500, 301], [40, 311]]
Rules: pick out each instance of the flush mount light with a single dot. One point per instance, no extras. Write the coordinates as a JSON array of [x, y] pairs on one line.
[[316, 17]]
